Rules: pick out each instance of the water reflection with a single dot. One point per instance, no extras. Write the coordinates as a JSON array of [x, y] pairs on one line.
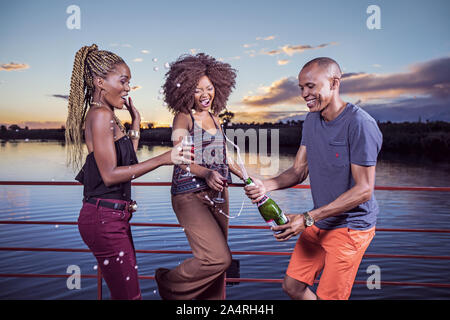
[[46, 160], [13, 198], [35, 160]]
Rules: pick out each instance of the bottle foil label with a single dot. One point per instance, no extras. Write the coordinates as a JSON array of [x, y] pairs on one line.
[[271, 223]]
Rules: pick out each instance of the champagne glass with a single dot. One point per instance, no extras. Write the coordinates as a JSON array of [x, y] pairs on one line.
[[186, 142], [223, 171]]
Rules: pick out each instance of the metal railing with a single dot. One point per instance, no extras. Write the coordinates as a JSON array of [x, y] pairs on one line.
[[98, 276]]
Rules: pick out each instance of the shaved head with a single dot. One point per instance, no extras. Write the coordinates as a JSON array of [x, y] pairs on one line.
[[319, 82], [327, 64]]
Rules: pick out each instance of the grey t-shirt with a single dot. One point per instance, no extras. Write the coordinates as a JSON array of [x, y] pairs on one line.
[[353, 137]]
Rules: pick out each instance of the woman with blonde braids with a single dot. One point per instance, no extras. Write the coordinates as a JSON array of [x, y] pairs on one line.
[[99, 85]]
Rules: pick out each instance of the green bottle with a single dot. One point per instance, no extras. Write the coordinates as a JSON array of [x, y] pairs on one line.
[[269, 210]]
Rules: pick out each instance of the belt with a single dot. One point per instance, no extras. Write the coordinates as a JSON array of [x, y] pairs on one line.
[[131, 207]]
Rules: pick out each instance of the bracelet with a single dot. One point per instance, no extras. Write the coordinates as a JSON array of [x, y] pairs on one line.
[[134, 134]]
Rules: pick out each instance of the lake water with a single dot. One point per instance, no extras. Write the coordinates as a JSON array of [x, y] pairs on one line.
[[45, 161]]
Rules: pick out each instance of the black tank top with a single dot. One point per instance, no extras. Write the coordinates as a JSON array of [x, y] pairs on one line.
[[92, 181]]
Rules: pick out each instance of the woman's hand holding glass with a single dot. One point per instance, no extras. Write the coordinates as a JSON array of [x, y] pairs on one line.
[[214, 180], [188, 142], [180, 155], [223, 173]]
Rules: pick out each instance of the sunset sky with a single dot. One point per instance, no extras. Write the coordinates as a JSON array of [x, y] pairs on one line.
[[399, 73]]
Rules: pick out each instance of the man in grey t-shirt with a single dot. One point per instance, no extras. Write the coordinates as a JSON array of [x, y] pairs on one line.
[[339, 149]]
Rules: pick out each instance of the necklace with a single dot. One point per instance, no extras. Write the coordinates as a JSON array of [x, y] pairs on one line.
[[117, 120]]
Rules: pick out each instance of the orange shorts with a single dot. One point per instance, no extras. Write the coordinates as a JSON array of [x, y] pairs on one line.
[[337, 252]]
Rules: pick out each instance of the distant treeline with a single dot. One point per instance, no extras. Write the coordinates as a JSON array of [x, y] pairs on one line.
[[429, 139]]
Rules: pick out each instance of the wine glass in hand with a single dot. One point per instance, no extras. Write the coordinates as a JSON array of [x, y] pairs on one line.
[[223, 171], [186, 142]]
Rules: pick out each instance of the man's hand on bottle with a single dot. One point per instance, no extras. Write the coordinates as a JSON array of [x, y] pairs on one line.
[[255, 192], [295, 225]]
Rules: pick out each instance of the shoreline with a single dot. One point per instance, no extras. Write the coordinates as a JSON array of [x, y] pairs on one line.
[[404, 158], [430, 140]]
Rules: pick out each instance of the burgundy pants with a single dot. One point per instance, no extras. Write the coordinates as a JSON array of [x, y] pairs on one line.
[[107, 233]]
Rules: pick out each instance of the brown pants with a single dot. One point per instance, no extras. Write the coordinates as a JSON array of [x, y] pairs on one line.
[[203, 276]]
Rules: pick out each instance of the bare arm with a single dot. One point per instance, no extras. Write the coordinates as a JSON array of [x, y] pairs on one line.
[[234, 167], [291, 177], [180, 128], [361, 192], [135, 121], [135, 126], [105, 152]]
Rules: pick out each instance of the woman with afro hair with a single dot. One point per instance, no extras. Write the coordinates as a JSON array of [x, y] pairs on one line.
[[196, 91]]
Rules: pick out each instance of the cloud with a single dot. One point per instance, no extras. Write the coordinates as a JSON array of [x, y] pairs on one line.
[[353, 74], [266, 38], [424, 78], [268, 116], [282, 62], [290, 50], [66, 97], [12, 66], [285, 91], [62, 96], [251, 53], [145, 51], [138, 60], [249, 45], [271, 52], [421, 92], [410, 109]]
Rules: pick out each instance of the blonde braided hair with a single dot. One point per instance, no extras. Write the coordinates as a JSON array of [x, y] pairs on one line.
[[89, 63]]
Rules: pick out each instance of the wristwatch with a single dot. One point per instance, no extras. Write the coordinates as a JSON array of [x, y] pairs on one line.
[[309, 221]]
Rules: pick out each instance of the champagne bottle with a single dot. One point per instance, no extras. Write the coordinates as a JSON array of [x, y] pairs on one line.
[[268, 209]]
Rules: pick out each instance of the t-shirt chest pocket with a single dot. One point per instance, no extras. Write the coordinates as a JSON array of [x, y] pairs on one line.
[[338, 153]]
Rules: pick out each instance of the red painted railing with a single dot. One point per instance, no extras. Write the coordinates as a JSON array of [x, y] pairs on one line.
[[268, 253]]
